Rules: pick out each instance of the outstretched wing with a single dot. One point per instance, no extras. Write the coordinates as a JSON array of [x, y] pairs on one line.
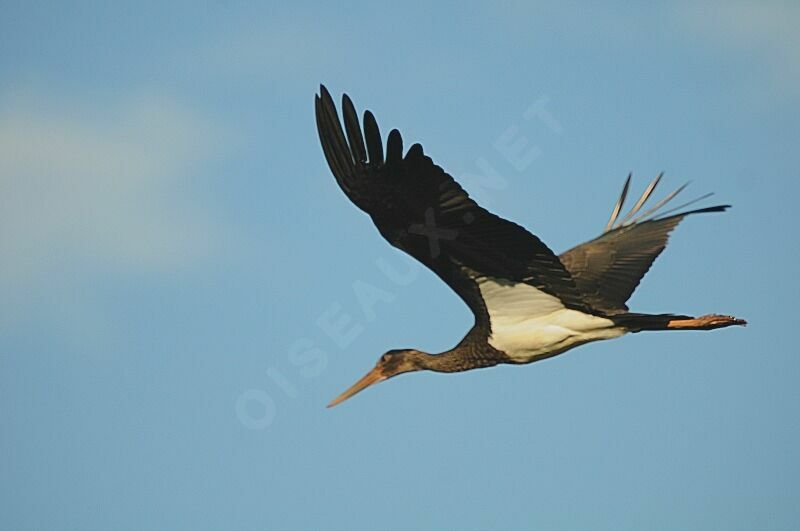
[[608, 268], [420, 209]]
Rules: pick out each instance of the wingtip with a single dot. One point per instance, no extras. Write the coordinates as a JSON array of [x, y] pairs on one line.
[[394, 146], [353, 129], [372, 135], [618, 206], [346, 100], [324, 95], [415, 150], [642, 200]]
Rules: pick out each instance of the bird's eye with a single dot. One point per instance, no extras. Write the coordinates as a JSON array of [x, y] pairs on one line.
[[385, 358]]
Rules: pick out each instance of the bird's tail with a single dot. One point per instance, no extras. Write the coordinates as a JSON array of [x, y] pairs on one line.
[[640, 322]]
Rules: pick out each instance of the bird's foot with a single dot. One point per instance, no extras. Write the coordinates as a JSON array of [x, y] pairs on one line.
[[706, 322]]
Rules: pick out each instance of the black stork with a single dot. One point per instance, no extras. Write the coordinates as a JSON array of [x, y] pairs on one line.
[[529, 303]]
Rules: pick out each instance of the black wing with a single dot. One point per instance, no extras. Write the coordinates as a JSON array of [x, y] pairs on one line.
[[608, 268], [420, 209]]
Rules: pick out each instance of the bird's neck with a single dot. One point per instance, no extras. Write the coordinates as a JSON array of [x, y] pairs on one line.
[[455, 360]]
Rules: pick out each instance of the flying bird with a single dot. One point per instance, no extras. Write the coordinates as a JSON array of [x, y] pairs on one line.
[[529, 304]]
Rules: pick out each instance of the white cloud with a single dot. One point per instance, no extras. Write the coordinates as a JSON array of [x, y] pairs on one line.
[[88, 188], [765, 31]]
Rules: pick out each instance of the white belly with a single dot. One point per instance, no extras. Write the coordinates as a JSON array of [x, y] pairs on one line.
[[527, 340], [528, 323]]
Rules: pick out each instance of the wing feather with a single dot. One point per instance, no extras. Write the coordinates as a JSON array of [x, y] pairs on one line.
[[374, 142], [608, 268], [422, 210], [353, 130]]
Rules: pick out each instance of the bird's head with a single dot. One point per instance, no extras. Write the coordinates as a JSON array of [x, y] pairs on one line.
[[392, 363]]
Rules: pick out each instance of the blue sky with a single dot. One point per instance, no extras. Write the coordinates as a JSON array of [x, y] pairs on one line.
[[174, 251]]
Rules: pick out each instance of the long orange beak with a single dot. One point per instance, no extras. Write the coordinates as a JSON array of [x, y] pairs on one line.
[[372, 377]]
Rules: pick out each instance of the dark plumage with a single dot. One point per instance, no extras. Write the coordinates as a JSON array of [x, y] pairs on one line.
[[608, 268], [529, 304]]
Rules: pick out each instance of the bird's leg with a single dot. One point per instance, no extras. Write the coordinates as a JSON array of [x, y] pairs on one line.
[[705, 322]]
